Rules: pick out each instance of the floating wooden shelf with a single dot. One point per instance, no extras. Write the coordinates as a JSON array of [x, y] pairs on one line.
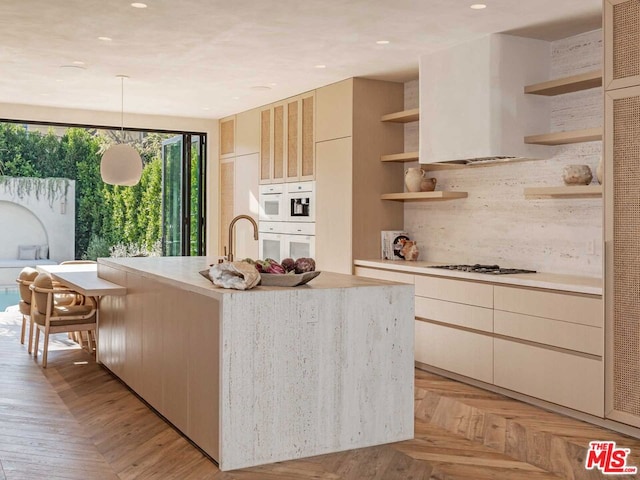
[[574, 83], [405, 116], [408, 196], [563, 138], [400, 157], [571, 191]]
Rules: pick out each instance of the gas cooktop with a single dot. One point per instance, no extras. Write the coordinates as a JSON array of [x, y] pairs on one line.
[[490, 269]]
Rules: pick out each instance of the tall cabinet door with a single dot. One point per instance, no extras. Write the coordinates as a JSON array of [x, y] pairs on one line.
[[333, 199], [227, 194], [621, 43], [622, 253], [266, 145], [622, 210]]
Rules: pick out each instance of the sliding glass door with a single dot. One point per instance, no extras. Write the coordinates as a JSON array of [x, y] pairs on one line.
[[183, 187]]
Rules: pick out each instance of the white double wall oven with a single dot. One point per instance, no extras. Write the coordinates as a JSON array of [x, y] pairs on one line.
[[287, 220]]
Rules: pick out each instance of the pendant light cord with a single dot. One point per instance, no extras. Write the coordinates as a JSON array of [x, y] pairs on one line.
[[122, 109]]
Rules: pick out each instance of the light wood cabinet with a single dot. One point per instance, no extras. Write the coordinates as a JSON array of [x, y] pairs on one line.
[[622, 224], [621, 43], [247, 132], [384, 275], [573, 381], [459, 351], [541, 343], [164, 343], [300, 153], [227, 136], [287, 140], [334, 118], [348, 113], [239, 196], [459, 291], [334, 236]]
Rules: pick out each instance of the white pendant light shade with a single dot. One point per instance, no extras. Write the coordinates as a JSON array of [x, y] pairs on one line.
[[121, 165]]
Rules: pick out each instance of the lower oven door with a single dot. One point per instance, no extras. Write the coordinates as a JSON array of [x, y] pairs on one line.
[[272, 245], [298, 246]]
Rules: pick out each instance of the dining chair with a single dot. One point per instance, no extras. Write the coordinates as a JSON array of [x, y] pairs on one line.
[[79, 299], [25, 278], [50, 318]]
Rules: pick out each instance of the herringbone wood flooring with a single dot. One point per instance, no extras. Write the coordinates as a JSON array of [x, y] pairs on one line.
[[74, 420]]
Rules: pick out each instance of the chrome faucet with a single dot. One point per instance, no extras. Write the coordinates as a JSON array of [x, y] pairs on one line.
[[232, 224]]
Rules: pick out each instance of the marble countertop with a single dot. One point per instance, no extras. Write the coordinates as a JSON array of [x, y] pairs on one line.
[[183, 272], [551, 281]]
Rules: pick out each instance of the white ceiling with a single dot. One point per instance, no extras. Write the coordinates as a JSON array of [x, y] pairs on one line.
[[201, 58]]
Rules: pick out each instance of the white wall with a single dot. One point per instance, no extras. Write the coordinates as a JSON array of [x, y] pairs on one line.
[[112, 119], [30, 215], [496, 224]]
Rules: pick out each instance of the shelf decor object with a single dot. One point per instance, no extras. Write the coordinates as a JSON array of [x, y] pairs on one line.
[[121, 164], [414, 196], [560, 86], [405, 116], [573, 191], [564, 138]]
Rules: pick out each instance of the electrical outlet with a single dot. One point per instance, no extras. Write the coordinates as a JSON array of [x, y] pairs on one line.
[[590, 247]]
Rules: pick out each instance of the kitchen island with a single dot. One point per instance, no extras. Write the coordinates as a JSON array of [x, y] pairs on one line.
[[265, 375]]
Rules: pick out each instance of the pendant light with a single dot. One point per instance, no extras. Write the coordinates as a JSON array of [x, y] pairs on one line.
[[121, 164]]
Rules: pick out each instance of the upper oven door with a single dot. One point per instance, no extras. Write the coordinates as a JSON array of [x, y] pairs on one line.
[[301, 202], [272, 203]]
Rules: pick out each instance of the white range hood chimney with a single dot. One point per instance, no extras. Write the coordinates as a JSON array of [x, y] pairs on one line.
[[472, 102]]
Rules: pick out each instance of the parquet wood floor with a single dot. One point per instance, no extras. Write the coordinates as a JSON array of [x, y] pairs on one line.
[[75, 420]]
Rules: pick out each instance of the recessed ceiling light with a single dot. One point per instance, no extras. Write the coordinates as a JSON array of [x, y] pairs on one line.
[[78, 62], [273, 84], [44, 94], [320, 66], [478, 6], [206, 108], [139, 5], [383, 42], [260, 88], [105, 39], [235, 98]]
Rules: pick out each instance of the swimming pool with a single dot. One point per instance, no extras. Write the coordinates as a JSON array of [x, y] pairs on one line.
[[8, 296]]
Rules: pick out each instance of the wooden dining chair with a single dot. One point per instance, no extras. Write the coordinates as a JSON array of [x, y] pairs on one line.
[[50, 318], [25, 278], [77, 336]]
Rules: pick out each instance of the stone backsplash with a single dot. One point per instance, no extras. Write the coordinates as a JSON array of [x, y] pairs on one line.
[[496, 223]]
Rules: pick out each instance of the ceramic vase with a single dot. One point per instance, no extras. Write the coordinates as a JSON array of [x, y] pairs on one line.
[[413, 178]]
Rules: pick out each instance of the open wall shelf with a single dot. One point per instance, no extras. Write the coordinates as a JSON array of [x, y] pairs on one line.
[[563, 138], [571, 191], [405, 116], [400, 157], [415, 196], [560, 86]]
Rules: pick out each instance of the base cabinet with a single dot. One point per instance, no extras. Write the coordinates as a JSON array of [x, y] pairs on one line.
[[573, 381], [459, 351], [536, 342]]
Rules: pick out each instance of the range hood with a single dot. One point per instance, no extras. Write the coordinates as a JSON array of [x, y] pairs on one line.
[[473, 109]]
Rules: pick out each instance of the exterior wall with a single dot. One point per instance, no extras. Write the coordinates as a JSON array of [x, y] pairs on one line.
[[37, 212], [112, 119], [496, 224]]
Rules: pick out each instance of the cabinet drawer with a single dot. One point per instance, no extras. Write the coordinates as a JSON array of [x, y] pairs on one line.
[[469, 316], [570, 380], [572, 336], [458, 291], [459, 351], [558, 306], [384, 275]]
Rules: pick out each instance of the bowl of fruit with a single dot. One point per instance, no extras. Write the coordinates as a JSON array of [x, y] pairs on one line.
[[288, 273]]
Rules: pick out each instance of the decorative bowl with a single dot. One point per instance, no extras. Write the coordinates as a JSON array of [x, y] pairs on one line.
[[287, 279]]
